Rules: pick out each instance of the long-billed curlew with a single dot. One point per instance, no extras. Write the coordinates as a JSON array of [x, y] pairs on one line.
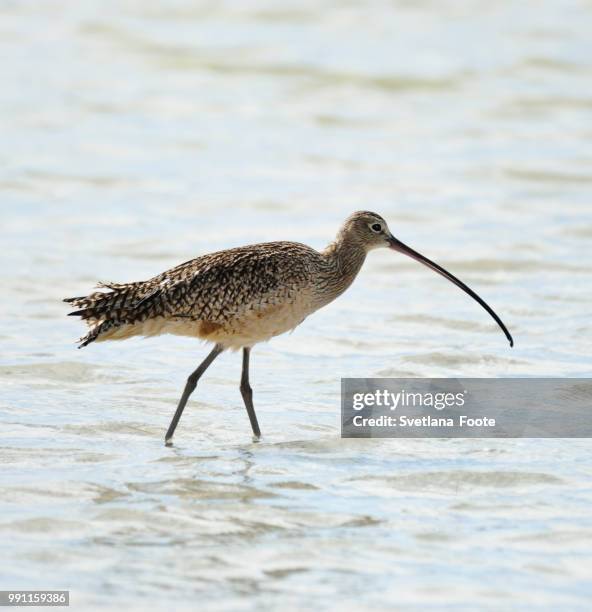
[[242, 296]]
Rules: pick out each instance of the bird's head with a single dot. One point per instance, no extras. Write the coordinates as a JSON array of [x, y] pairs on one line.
[[366, 229], [370, 231]]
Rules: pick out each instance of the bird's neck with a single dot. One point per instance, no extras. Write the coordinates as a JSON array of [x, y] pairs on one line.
[[343, 258]]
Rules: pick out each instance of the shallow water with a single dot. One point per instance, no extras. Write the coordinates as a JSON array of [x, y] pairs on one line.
[[138, 135]]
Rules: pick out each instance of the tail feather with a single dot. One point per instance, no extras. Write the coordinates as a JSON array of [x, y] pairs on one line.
[[116, 286], [94, 333], [73, 299], [85, 313], [104, 310]]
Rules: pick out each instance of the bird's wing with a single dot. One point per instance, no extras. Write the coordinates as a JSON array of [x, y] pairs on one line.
[[215, 286]]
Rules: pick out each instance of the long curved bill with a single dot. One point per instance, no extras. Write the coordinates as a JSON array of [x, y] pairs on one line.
[[399, 246]]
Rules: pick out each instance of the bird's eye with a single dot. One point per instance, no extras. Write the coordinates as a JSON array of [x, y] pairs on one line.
[[376, 227]]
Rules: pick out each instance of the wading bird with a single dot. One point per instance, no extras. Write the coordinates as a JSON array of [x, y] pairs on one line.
[[239, 297]]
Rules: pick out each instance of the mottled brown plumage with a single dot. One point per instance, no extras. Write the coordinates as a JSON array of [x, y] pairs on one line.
[[236, 297], [239, 297]]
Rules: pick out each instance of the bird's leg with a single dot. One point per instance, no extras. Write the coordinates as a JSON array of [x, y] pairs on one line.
[[247, 393], [189, 388]]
